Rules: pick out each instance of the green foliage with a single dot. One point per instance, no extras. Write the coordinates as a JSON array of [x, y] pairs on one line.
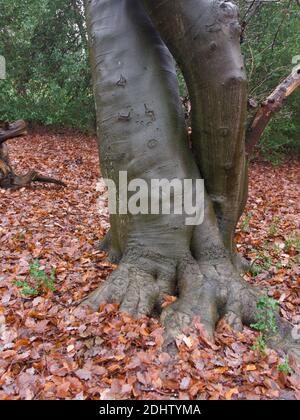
[[285, 367], [26, 289], [262, 263], [245, 225], [293, 241], [48, 77], [274, 227], [267, 312], [255, 269], [40, 281], [271, 44], [182, 85], [260, 345]]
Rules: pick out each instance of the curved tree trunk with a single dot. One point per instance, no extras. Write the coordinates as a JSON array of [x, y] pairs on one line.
[[204, 37], [142, 131], [141, 127]]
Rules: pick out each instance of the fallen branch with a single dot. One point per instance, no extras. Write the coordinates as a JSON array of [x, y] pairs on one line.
[[16, 181], [8, 179], [269, 107], [12, 130]]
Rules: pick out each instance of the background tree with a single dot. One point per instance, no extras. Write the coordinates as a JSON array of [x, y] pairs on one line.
[[48, 78], [271, 45]]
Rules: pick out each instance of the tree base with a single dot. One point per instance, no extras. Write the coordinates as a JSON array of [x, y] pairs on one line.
[[240, 263], [208, 291]]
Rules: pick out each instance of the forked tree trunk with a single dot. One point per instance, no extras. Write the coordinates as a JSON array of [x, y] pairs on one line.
[[142, 131], [8, 178]]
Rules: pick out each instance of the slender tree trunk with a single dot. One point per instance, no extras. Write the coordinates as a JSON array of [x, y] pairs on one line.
[[142, 132]]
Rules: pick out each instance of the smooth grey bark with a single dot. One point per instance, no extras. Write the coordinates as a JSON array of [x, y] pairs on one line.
[[142, 131], [204, 38], [139, 116]]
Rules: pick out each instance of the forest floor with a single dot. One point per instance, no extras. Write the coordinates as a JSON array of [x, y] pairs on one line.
[[50, 349]]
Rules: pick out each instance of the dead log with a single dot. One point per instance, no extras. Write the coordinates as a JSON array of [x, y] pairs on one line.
[[269, 107], [12, 130], [8, 178]]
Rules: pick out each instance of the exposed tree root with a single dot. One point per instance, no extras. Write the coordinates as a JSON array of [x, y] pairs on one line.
[[241, 263], [139, 291], [223, 294], [13, 181], [284, 341], [208, 291], [105, 245]]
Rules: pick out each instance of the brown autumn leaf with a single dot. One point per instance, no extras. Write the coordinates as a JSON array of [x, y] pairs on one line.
[[84, 374], [229, 394], [50, 348]]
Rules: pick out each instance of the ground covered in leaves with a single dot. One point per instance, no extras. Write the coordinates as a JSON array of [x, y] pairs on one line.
[[50, 349]]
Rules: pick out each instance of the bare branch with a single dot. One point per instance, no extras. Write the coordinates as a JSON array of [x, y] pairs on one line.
[[269, 107]]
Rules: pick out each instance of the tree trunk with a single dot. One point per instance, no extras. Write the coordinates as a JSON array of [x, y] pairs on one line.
[[142, 131], [8, 179], [204, 38]]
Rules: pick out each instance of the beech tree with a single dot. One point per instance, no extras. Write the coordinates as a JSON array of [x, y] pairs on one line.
[[133, 47]]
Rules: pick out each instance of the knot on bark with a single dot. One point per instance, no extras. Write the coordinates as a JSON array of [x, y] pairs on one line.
[[228, 11]]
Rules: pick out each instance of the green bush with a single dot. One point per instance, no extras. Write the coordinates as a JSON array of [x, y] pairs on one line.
[[48, 75], [270, 42]]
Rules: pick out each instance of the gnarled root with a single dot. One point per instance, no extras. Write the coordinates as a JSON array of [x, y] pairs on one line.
[[138, 285], [241, 263], [220, 294], [197, 298], [286, 339], [209, 291], [8, 179], [12, 130], [106, 245]]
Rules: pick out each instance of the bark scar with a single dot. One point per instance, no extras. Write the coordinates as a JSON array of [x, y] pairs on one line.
[[122, 81], [149, 112], [124, 117]]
